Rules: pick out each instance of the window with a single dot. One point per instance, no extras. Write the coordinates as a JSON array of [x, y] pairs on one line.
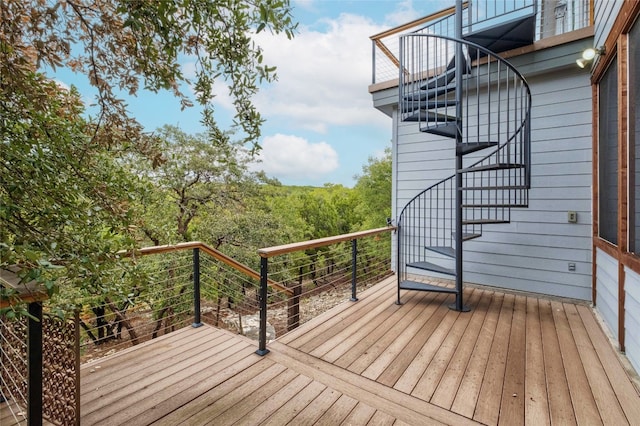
[[608, 154], [634, 139]]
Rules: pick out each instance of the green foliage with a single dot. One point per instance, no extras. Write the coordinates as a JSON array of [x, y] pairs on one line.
[[196, 174], [64, 200], [374, 189], [124, 45]]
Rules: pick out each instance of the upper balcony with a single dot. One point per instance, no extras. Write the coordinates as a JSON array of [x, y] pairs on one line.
[[499, 26]]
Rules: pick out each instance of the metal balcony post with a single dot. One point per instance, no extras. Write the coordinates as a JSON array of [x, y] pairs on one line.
[[196, 288], [262, 337], [354, 269], [34, 355], [459, 305]]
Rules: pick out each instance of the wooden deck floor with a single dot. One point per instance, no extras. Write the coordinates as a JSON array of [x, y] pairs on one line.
[[512, 360]]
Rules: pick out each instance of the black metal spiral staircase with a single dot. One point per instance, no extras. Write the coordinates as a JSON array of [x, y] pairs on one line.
[[460, 90]]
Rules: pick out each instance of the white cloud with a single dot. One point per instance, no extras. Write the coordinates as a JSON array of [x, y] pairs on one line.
[[304, 4], [322, 76], [293, 157], [404, 13]]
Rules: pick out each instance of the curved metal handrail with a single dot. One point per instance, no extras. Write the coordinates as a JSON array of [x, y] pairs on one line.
[[501, 115], [516, 132]]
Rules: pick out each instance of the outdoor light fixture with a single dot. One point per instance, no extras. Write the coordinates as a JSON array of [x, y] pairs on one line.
[[588, 55]]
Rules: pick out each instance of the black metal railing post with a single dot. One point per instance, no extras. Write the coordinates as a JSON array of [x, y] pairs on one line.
[[34, 351], [262, 342], [197, 321], [354, 269]]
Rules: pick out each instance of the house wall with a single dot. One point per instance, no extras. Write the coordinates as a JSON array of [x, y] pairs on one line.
[[533, 252], [607, 284], [632, 317], [605, 13], [617, 294]]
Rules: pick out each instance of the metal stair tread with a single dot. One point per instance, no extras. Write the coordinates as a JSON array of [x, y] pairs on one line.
[[483, 221], [413, 105], [487, 167], [448, 130], [428, 266], [441, 79], [448, 75], [431, 117], [495, 188], [443, 250], [466, 236], [494, 205], [423, 95], [418, 286], [469, 147]]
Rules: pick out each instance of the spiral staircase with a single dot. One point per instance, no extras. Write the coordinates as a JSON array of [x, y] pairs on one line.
[[460, 90]]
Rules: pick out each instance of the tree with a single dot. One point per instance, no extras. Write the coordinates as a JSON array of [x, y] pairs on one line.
[[374, 189], [196, 175], [65, 199], [127, 44]]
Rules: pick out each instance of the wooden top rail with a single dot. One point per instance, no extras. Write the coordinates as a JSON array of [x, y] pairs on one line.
[[211, 252], [417, 22], [320, 242], [25, 292]]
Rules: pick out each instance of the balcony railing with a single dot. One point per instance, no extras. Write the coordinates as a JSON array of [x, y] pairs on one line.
[[553, 17], [157, 290]]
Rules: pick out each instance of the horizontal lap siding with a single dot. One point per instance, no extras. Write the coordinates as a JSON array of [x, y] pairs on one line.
[[605, 12], [607, 289], [533, 251], [632, 317]]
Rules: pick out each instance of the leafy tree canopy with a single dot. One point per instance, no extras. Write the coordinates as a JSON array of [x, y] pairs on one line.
[[65, 197], [64, 201], [374, 189], [128, 44]]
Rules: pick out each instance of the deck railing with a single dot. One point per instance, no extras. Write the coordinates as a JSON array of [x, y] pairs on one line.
[[334, 267], [157, 290], [151, 292], [552, 18]]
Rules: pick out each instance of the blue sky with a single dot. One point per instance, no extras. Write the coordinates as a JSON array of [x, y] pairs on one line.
[[321, 126]]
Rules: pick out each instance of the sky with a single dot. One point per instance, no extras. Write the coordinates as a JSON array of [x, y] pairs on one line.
[[321, 126]]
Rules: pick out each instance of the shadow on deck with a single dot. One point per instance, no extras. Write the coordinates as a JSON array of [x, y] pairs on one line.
[[513, 357]]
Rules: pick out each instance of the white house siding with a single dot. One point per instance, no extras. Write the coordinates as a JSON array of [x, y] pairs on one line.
[[605, 12], [632, 317], [533, 252], [607, 289]]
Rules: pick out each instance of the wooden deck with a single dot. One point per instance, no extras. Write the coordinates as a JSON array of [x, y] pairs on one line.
[[513, 359]]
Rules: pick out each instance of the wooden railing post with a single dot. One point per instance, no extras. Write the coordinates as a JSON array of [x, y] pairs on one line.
[[34, 357], [293, 314], [196, 288], [354, 269], [264, 281]]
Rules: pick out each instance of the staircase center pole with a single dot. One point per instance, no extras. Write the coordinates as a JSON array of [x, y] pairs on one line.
[[459, 305]]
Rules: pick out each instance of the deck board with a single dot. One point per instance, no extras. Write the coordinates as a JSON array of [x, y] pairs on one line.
[[584, 404], [427, 384], [447, 389], [514, 359], [536, 399], [467, 396], [490, 396], [560, 408]]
